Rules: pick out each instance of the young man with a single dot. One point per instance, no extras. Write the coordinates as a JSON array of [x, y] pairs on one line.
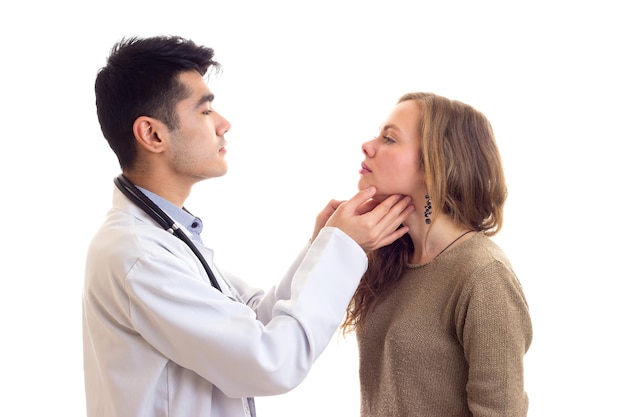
[[165, 333]]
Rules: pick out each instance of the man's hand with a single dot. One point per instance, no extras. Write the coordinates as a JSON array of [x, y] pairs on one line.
[[371, 224]]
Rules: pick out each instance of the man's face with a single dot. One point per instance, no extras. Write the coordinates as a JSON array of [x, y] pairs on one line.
[[197, 146]]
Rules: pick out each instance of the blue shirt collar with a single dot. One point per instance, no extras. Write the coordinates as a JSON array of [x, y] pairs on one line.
[[180, 215]]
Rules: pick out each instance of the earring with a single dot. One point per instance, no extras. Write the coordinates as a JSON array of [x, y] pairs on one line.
[[428, 209]]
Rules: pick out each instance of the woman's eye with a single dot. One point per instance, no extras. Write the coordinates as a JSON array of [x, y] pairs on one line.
[[387, 139]]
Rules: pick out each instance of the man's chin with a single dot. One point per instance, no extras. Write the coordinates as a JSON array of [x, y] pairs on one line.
[[215, 174], [223, 171]]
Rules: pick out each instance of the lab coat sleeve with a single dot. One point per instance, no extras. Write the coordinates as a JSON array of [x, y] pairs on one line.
[[196, 326], [263, 303]]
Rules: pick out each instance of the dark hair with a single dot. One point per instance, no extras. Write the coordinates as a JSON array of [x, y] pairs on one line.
[[464, 178], [140, 78]]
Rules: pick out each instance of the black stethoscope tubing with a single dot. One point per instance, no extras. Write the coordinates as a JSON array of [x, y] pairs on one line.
[[143, 202]]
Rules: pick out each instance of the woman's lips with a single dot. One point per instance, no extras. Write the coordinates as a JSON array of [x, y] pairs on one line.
[[364, 169]]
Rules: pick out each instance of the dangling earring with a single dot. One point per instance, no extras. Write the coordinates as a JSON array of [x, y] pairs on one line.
[[428, 209]]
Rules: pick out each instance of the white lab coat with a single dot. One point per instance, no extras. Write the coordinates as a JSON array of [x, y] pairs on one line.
[[160, 341]]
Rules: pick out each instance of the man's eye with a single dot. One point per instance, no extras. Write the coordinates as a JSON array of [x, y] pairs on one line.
[[207, 112]]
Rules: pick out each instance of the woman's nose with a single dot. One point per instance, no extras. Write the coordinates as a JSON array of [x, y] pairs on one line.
[[367, 148]]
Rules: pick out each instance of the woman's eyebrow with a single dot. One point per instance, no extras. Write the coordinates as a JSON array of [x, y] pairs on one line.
[[390, 126]]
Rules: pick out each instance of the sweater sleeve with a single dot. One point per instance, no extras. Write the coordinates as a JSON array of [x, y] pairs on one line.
[[495, 329]]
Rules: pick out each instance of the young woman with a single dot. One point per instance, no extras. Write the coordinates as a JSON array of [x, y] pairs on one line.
[[441, 320]]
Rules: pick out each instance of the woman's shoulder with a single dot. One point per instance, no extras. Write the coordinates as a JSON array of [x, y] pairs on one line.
[[481, 250], [478, 258]]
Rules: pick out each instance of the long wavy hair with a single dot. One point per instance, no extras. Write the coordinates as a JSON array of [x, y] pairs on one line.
[[464, 178]]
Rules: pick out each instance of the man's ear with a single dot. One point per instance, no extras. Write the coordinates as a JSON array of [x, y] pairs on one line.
[[149, 133]]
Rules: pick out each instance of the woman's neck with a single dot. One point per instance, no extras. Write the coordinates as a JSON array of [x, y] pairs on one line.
[[432, 240]]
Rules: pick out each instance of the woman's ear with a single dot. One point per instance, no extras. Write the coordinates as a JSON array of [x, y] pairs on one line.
[[148, 132]]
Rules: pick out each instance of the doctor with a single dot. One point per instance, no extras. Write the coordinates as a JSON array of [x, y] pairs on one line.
[[165, 333]]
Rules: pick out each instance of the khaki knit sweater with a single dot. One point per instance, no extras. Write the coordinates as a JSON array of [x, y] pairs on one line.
[[449, 340]]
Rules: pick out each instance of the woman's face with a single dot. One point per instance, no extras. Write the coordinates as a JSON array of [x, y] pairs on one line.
[[392, 158]]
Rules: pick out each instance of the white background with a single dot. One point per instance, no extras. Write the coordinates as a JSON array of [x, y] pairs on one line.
[[304, 84]]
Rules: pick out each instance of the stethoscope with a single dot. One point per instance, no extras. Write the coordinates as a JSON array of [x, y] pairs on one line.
[[143, 202]]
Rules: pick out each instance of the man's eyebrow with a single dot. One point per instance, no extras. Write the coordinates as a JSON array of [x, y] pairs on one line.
[[205, 98]]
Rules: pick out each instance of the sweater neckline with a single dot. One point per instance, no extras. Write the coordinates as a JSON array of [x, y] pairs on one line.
[[444, 255]]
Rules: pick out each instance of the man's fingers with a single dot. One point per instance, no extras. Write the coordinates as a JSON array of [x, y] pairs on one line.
[[369, 223], [390, 238], [394, 201], [366, 207], [385, 224], [324, 215], [396, 215], [358, 199]]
